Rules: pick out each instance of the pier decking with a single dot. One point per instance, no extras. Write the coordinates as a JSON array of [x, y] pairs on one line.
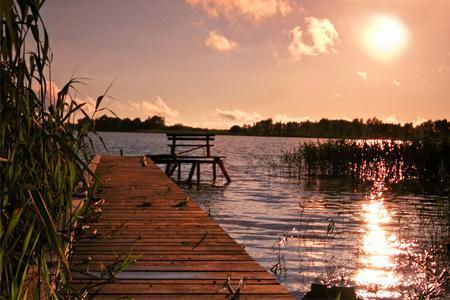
[[182, 253]]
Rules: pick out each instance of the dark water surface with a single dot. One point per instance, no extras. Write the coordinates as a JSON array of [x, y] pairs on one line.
[[314, 230]]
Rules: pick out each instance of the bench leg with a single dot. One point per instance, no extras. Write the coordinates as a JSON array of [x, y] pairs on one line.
[[179, 172], [214, 171], [167, 168]]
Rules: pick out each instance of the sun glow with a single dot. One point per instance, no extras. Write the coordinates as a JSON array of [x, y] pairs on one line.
[[385, 37]]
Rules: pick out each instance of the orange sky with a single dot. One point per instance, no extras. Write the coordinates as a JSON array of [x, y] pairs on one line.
[[216, 63]]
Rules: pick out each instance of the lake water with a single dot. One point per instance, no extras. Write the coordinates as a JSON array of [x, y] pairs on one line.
[[309, 231]]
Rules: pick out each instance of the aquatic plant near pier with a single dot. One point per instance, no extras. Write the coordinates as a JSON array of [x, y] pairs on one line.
[[43, 159], [412, 263], [425, 160]]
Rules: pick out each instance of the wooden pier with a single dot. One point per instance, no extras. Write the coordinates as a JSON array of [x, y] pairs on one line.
[[181, 252], [190, 142]]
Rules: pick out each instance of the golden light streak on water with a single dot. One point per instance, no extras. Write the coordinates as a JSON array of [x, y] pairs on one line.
[[377, 276]]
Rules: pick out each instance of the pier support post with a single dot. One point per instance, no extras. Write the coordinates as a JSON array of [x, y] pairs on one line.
[[191, 174], [222, 167], [198, 173], [173, 169]]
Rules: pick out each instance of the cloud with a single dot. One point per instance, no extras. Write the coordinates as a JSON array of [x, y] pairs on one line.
[[323, 38], [396, 82], [238, 117], [392, 119], [219, 42], [285, 118], [256, 10], [131, 108], [419, 121], [51, 95], [157, 107], [362, 74], [224, 119]]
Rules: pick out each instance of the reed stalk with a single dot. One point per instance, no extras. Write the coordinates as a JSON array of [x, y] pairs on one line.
[[43, 158]]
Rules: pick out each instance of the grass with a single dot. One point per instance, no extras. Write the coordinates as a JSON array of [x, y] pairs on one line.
[[426, 160], [43, 159]]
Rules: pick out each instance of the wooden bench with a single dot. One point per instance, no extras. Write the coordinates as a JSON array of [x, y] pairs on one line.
[[196, 141], [187, 143]]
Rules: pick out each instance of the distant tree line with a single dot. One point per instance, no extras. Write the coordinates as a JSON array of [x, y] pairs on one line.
[[105, 123], [372, 128], [325, 128], [152, 123]]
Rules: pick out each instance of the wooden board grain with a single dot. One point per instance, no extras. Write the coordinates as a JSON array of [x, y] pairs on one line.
[[181, 252]]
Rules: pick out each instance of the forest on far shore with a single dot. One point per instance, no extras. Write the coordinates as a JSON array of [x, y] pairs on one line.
[[325, 128]]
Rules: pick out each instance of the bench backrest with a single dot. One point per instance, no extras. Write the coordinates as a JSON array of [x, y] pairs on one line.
[[196, 141]]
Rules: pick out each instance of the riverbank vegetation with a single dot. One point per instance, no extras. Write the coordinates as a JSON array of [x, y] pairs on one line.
[[356, 129], [43, 160], [425, 161], [151, 124]]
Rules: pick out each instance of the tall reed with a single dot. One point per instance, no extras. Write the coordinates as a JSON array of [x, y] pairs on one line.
[[42, 158], [425, 160]]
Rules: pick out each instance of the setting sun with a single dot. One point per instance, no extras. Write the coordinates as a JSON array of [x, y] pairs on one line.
[[385, 37]]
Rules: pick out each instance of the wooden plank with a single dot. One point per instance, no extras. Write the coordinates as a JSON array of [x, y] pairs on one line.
[[175, 289], [191, 138], [187, 296], [151, 156], [201, 297], [191, 145], [233, 281], [171, 136], [181, 252]]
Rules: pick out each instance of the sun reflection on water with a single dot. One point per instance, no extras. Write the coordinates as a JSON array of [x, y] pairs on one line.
[[377, 275]]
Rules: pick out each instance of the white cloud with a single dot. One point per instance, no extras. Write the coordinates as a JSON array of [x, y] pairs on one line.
[[51, 95], [238, 117], [392, 119], [362, 74], [224, 119], [89, 105], [156, 107], [323, 35], [145, 108], [219, 42], [285, 118], [396, 82], [252, 9], [419, 121]]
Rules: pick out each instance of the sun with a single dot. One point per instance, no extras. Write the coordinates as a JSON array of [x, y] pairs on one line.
[[385, 37]]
